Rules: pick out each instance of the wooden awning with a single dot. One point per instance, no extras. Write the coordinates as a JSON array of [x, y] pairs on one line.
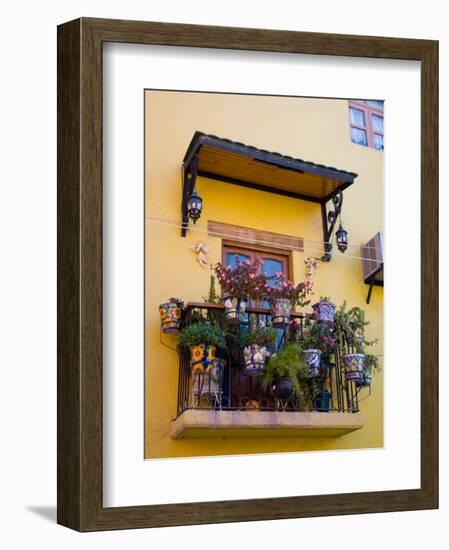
[[240, 164]]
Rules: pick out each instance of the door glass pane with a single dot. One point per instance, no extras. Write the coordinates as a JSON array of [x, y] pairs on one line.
[[356, 116], [231, 258], [378, 123], [378, 142], [358, 136], [270, 267]]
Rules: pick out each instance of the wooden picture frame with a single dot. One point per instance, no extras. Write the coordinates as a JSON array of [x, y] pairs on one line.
[[80, 504]]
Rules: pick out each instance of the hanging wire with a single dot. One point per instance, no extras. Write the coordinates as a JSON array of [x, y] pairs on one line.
[[205, 231]]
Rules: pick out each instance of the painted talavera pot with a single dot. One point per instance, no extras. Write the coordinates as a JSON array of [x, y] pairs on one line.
[[313, 360], [170, 314], [367, 378], [209, 383], [282, 388], [202, 358], [254, 357], [354, 363], [281, 310], [324, 311], [234, 309]]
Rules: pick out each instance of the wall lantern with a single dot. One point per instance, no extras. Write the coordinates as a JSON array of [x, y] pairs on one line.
[[342, 238], [194, 206]]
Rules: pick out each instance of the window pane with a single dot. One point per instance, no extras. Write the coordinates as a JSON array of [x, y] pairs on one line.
[[378, 142], [358, 136], [378, 104], [271, 267], [232, 259], [356, 116], [378, 123]]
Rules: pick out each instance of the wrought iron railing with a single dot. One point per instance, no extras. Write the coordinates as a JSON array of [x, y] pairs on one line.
[[229, 387]]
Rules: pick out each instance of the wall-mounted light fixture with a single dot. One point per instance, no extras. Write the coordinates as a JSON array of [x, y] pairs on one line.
[[194, 206], [329, 221], [342, 238]]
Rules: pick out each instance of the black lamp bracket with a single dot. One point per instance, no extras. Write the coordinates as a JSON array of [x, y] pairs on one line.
[[329, 221], [189, 176]]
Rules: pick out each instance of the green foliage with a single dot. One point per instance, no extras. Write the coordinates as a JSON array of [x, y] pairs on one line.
[[202, 332], [371, 363], [212, 297], [291, 363], [263, 336], [350, 327]]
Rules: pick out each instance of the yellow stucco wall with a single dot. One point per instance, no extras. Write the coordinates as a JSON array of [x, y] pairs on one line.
[[315, 130]]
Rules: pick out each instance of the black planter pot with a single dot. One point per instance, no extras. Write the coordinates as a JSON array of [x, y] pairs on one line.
[[282, 388]]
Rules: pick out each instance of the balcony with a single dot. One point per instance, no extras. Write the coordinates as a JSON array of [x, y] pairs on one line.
[[234, 404]]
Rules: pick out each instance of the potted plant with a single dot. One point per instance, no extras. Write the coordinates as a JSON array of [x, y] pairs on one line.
[[282, 295], [202, 339], [208, 384], [243, 282], [281, 372], [324, 309], [256, 345], [322, 402], [350, 327], [170, 314], [319, 342], [370, 366], [287, 374], [354, 366]]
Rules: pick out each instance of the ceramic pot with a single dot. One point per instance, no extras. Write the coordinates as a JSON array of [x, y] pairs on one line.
[[234, 309], [281, 309], [204, 386], [217, 371], [367, 378], [324, 311], [282, 388], [322, 402], [313, 360], [170, 314], [202, 358], [354, 363], [254, 357]]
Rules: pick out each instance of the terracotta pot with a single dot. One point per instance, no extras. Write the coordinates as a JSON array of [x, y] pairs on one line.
[[313, 360], [254, 357], [202, 358], [281, 309], [234, 309], [324, 311], [354, 363], [170, 314]]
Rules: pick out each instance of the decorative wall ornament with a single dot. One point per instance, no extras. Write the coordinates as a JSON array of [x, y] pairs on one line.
[[201, 251], [312, 265]]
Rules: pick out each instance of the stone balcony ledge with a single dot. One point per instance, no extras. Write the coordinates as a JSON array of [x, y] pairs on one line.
[[197, 423]]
